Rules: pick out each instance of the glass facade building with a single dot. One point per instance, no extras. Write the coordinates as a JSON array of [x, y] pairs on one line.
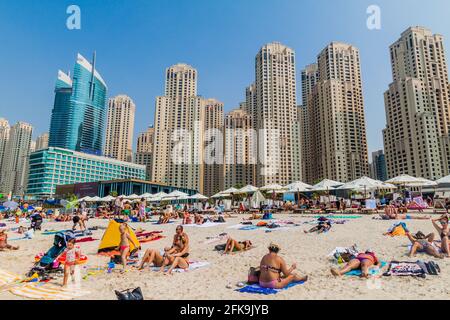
[[79, 111], [55, 166]]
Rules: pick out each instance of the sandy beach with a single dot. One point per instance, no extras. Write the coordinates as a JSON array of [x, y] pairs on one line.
[[309, 251]]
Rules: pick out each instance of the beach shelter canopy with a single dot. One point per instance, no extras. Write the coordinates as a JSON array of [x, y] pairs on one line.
[[298, 187], [229, 191], [86, 199], [158, 196], [132, 196], [221, 195], [107, 199], [247, 189], [111, 238], [257, 199], [146, 195], [272, 188], [410, 181], [198, 196], [366, 184], [95, 199], [326, 185], [176, 194], [444, 180]]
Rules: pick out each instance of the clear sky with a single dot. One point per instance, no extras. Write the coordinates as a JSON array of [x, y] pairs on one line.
[[136, 40]]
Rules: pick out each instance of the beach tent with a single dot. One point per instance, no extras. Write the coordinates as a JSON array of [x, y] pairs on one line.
[[111, 238], [257, 199], [410, 181], [326, 185]]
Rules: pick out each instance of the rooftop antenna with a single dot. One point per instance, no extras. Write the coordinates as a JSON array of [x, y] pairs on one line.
[[91, 88]]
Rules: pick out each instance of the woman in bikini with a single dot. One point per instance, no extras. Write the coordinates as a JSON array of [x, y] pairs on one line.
[[443, 231], [124, 246], [274, 271], [423, 243], [233, 246], [4, 242], [177, 255], [363, 261], [392, 213]]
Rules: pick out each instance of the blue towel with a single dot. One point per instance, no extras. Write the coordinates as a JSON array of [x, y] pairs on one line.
[[257, 289], [372, 272], [248, 228]]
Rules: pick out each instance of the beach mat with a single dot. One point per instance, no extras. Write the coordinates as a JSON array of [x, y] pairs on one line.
[[7, 277], [338, 217], [257, 289], [205, 225], [45, 291], [372, 272], [192, 266]]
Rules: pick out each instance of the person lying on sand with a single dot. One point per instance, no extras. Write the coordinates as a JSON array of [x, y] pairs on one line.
[[4, 242], [177, 255], [234, 246], [443, 232], [363, 261], [391, 213], [274, 272], [151, 256], [322, 227], [422, 243], [198, 219], [255, 216]]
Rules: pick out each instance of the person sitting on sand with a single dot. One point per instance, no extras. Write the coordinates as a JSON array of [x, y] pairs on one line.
[[187, 219], [274, 272], [363, 261], [164, 217], [79, 220], [392, 213], [233, 246], [422, 243], [443, 232], [4, 242], [177, 255], [198, 219], [255, 216], [322, 227], [124, 246]]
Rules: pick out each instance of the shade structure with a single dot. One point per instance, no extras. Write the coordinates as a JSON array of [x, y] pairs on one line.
[[221, 195], [11, 205], [177, 194], [298, 186], [158, 197], [326, 185], [247, 189], [229, 191], [272, 188], [107, 199], [198, 196], [410, 181], [132, 196], [146, 195], [85, 199], [366, 184], [444, 180], [95, 199]]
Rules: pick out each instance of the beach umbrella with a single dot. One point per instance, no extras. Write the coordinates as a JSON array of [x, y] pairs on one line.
[[247, 189], [146, 196], [158, 197], [198, 196], [298, 187], [107, 199], [132, 196], [85, 199], [366, 184], [95, 199], [444, 180], [410, 181], [326, 185], [176, 194], [272, 188], [11, 205]]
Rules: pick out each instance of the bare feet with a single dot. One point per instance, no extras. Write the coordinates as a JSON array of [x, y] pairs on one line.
[[335, 272]]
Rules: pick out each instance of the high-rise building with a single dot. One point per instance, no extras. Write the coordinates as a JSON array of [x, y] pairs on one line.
[[16, 155], [42, 141], [144, 151], [416, 137], [52, 167], [337, 145], [378, 166], [178, 149], [4, 137], [250, 104], [120, 128], [276, 109], [240, 150], [213, 167], [79, 112]]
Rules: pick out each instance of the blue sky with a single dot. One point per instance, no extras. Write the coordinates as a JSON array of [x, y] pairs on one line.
[[136, 40]]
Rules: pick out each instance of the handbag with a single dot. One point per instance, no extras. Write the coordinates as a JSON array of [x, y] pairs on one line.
[[135, 294]]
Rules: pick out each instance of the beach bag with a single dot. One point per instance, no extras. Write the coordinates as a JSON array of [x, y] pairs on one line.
[[129, 294], [220, 247], [253, 275]]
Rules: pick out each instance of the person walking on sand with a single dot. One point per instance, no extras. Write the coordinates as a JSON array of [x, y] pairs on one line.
[[124, 246]]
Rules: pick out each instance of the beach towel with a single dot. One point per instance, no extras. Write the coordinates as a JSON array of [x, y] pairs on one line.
[[45, 291], [219, 238], [205, 225], [257, 289], [415, 269], [338, 217], [87, 239], [7, 277], [398, 229], [193, 265], [372, 271]]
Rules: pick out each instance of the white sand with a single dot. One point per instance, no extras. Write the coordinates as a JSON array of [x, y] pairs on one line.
[[309, 251]]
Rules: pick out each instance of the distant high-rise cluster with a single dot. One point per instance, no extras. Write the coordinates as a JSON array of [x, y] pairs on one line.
[[144, 151]]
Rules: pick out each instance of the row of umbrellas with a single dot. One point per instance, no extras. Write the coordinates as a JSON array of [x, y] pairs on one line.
[[161, 196], [361, 184]]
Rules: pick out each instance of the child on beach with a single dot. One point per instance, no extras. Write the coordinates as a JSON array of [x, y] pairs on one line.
[[125, 240], [4, 242], [71, 260]]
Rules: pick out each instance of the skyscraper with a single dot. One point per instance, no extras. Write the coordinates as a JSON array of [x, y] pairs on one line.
[[79, 112], [250, 104], [4, 137], [337, 145], [178, 149], [42, 141], [213, 168], [416, 137], [240, 149], [120, 128], [144, 150], [276, 109], [16, 155], [378, 166]]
